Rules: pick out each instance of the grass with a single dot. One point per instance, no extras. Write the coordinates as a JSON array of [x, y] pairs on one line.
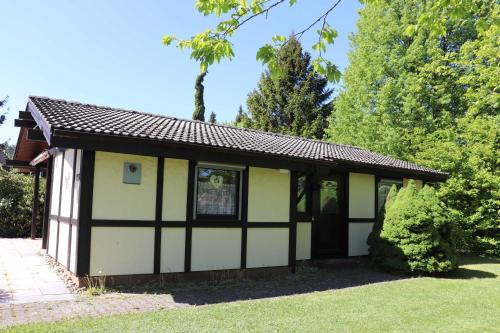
[[466, 301]]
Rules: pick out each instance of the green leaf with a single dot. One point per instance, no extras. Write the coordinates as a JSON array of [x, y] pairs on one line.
[[168, 39], [265, 53]]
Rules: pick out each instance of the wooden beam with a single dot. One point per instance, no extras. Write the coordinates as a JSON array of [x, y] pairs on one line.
[[46, 210], [34, 213], [158, 214], [24, 123], [85, 213], [35, 135], [42, 157], [17, 163], [22, 164], [25, 115]]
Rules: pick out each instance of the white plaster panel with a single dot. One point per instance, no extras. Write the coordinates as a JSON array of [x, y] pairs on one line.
[[175, 188], [52, 241], [358, 235], [215, 248], [172, 250], [121, 250], [56, 183], [268, 195], [76, 189], [74, 242], [361, 195], [303, 250], [62, 251], [115, 200], [67, 182], [267, 247]]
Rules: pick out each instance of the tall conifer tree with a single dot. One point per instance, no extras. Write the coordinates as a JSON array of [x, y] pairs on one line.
[[295, 102], [212, 119], [199, 103]]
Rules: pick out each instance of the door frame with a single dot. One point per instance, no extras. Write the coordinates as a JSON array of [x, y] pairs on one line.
[[343, 215]]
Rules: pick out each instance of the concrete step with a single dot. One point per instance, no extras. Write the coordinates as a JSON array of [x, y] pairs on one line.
[[336, 263]]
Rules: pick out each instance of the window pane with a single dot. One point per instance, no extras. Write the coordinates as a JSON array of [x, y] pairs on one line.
[[329, 203], [384, 186], [217, 192], [301, 186]]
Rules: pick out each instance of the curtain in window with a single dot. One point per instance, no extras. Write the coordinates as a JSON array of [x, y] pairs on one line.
[[217, 192]]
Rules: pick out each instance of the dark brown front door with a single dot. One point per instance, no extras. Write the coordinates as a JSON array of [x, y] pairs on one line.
[[329, 225]]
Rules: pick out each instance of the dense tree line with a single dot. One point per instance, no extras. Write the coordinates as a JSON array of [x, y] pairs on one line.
[[426, 97], [431, 99]]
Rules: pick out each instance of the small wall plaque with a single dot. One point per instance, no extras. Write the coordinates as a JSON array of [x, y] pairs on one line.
[[131, 173]]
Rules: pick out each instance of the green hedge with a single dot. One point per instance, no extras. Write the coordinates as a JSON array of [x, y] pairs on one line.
[[16, 202], [416, 236]]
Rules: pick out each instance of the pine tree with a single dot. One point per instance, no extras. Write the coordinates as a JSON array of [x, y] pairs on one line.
[[212, 118], [199, 103], [295, 102], [242, 119], [239, 115]]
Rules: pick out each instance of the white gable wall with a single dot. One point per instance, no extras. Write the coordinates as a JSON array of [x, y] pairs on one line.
[[65, 192]]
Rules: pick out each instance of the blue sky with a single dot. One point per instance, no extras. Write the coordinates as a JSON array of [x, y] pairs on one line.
[[110, 53]]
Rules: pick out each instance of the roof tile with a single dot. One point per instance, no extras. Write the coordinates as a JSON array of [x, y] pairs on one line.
[[79, 117]]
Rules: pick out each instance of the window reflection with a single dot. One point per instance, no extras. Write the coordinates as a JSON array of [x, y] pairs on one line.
[[217, 192], [384, 187], [328, 195]]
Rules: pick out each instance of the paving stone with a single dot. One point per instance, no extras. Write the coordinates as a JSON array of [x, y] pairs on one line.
[[25, 276], [48, 308]]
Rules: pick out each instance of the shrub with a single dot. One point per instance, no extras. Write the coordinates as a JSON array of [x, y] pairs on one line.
[[416, 236], [16, 202]]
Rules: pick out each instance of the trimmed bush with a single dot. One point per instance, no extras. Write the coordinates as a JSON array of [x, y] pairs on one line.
[[416, 236], [16, 202]]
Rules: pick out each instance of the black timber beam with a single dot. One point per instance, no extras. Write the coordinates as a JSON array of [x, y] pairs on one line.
[[22, 164], [85, 213], [30, 123], [35, 135], [17, 163], [26, 115], [140, 146], [36, 198], [48, 187]]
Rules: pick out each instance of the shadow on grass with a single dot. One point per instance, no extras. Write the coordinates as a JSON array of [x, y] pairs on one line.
[[307, 280], [463, 273], [478, 260]]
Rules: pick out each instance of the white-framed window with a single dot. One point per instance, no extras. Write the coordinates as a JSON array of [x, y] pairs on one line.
[[217, 193]]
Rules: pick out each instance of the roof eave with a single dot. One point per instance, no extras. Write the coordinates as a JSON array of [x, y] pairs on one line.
[[146, 146]]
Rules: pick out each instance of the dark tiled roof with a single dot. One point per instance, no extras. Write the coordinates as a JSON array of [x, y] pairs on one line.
[[88, 118]]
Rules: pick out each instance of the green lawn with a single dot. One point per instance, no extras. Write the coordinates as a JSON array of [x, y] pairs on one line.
[[469, 301]]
